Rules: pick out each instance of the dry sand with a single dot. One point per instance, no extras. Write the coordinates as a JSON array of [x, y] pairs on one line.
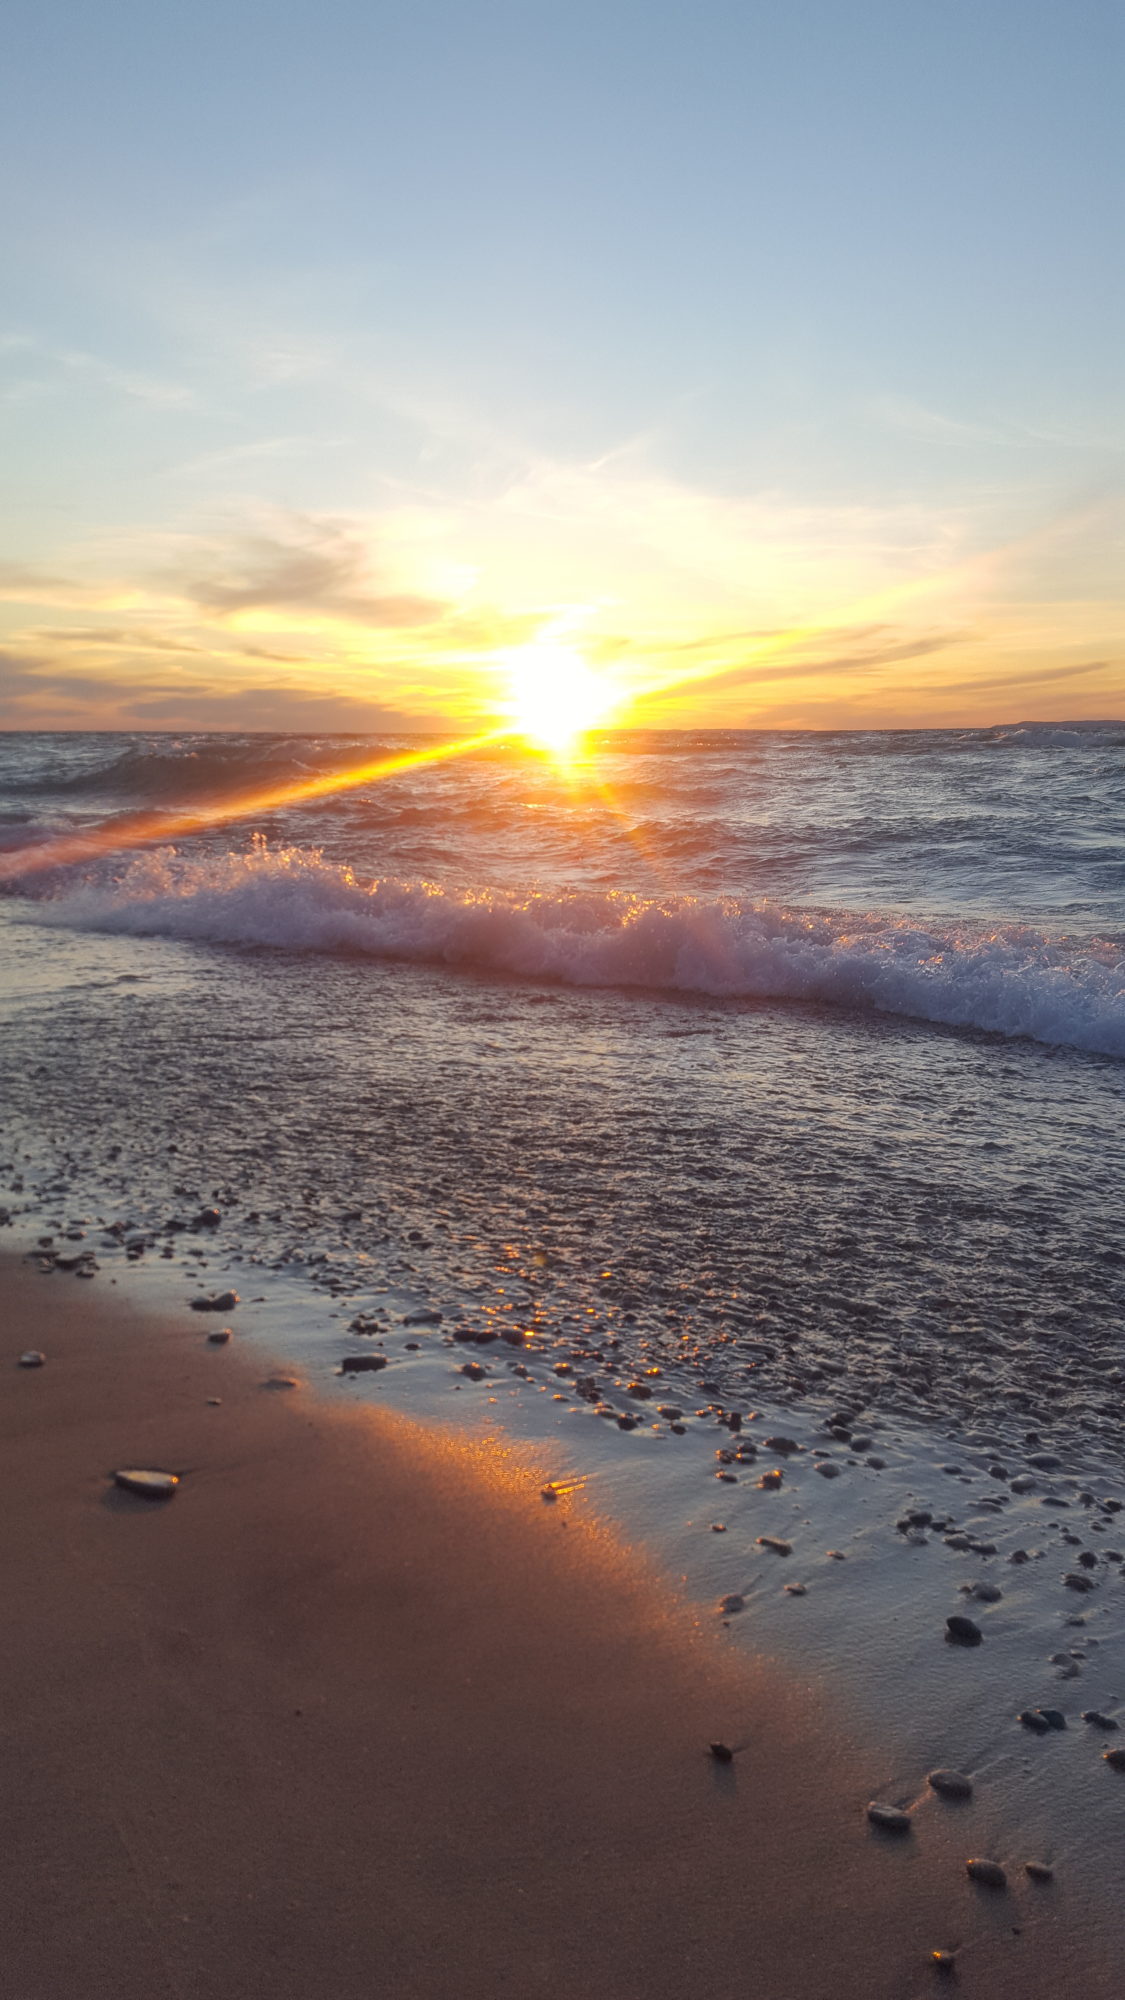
[[357, 1713]]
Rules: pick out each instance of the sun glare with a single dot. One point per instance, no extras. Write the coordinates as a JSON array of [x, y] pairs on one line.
[[555, 696]]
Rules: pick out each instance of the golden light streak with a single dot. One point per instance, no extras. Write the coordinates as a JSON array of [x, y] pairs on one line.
[[153, 828]]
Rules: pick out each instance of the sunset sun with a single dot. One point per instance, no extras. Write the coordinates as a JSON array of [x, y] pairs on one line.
[[554, 695]]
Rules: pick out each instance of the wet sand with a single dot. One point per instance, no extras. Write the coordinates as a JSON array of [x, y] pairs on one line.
[[358, 1713]]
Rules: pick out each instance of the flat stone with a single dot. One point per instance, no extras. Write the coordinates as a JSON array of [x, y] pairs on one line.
[[32, 1358], [785, 1445], [1039, 1871], [150, 1485], [775, 1543], [989, 1873], [892, 1819], [220, 1337], [962, 1631], [795, 1589], [281, 1382], [362, 1364], [951, 1784], [1077, 1579], [425, 1316]]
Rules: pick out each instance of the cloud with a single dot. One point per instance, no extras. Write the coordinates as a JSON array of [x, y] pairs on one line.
[[35, 694], [1028, 677], [321, 568]]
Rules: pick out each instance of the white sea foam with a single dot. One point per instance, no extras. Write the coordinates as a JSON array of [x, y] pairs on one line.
[[1008, 979]]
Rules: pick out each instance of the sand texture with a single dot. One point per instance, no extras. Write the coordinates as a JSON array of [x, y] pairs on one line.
[[357, 1713]]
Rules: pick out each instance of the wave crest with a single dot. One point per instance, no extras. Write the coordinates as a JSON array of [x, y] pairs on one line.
[[1008, 980]]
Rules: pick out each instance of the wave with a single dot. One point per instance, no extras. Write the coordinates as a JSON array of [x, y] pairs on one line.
[[209, 768], [1007, 980]]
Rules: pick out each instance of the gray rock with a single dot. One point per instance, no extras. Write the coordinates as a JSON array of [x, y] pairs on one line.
[[989, 1873], [951, 1784], [961, 1631], [891, 1819], [32, 1358], [149, 1485], [827, 1470]]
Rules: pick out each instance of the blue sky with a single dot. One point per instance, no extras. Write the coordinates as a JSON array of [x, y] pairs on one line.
[[349, 349]]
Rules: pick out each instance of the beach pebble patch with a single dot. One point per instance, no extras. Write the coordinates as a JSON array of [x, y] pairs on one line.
[[150, 1485]]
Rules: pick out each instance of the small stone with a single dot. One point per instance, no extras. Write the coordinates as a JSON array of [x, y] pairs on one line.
[[1045, 1461], [32, 1358], [473, 1369], [962, 1631], [1035, 1720], [731, 1604], [795, 1589], [836, 1555], [220, 1302], [208, 1218], [1039, 1871], [951, 1784], [425, 1316], [774, 1542], [214, 1402], [986, 1593], [892, 1819], [281, 1382], [150, 1485], [362, 1364], [1053, 1717], [827, 1470], [1098, 1720], [989, 1873], [944, 1961], [1115, 1759], [785, 1445], [771, 1479], [722, 1753], [1077, 1579], [219, 1338]]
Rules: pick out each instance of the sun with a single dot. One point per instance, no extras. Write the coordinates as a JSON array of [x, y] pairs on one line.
[[555, 695]]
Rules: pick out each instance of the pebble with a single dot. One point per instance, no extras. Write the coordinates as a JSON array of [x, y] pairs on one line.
[[32, 1358], [425, 1316], [827, 1470], [281, 1382], [1039, 1871], [951, 1784], [473, 1369], [1115, 1759], [989, 1873], [771, 1479], [892, 1819], [219, 1338], [1053, 1717], [962, 1631], [795, 1590], [985, 1593], [150, 1485], [944, 1961], [214, 1402], [774, 1542], [220, 1302], [364, 1364], [1034, 1719], [208, 1218], [732, 1603], [722, 1753], [1098, 1720], [785, 1445], [1077, 1579]]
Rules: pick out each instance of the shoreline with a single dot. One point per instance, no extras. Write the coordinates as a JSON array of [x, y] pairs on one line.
[[498, 1777]]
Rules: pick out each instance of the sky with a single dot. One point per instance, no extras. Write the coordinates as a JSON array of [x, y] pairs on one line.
[[767, 358]]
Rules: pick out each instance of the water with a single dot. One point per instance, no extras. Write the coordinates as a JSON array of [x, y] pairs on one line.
[[719, 1088]]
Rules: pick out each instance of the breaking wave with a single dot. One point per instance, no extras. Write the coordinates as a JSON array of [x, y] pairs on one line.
[[1005, 979]]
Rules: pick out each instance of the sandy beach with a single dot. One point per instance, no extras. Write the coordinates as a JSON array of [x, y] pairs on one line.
[[358, 1712]]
